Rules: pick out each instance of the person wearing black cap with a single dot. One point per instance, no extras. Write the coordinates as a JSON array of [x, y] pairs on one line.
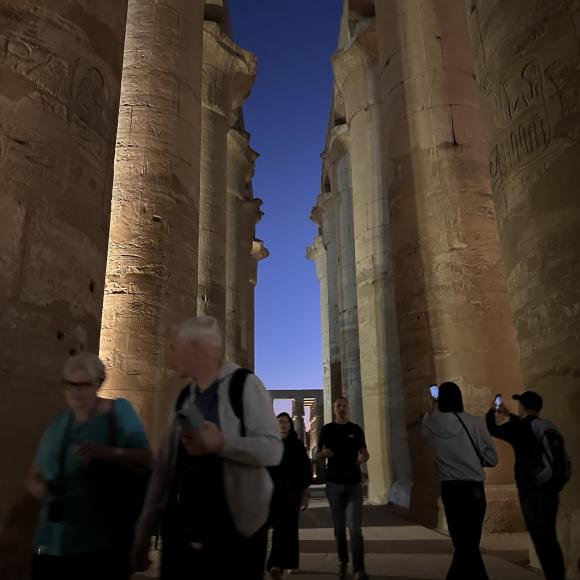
[[538, 473]]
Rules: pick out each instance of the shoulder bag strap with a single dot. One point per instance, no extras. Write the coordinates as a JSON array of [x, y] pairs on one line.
[[237, 383], [475, 448]]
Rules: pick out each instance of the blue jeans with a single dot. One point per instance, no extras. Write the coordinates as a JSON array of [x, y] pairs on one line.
[[346, 506]]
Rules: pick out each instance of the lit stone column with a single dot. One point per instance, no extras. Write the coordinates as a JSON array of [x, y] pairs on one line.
[[356, 75], [317, 252], [259, 253], [228, 75], [338, 158], [453, 312], [152, 265], [240, 167], [298, 417], [60, 80], [527, 64]]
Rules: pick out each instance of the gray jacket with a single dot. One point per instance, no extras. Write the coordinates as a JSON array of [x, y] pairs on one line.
[[455, 456], [248, 486]]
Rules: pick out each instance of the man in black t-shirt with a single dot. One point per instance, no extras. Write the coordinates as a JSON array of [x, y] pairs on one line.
[[343, 444]]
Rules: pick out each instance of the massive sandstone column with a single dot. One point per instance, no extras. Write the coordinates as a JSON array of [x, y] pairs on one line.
[[240, 168], [228, 75], [259, 252], [317, 252], [453, 313], [60, 79], [528, 68], [357, 77], [152, 267], [337, 158]]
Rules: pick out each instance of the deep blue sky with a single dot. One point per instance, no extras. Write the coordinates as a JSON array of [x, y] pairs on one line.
[[287, 115]]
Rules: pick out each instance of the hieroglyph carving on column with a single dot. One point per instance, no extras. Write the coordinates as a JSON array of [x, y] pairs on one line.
[[259, 252], [152, 266], [317, 252], [528, 69], [228, 75], [325, 214], [240, 166], [355, 69], [453, 312], [60, 71], [337, 158]]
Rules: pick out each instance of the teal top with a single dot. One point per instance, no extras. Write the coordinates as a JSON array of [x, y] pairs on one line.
[[86, 526]]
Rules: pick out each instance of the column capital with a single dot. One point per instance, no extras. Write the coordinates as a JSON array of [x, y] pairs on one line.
[[252, 206], [316, 250], [241, 163], [361, 51], [229, 72], [338, 143], [259, 250]]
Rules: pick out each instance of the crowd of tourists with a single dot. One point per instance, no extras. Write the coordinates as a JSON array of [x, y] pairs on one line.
[[228, 470]]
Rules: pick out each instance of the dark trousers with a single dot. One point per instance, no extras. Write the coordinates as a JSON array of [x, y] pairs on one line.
[[346, 506], [229, 555], [465, 505], [110, 564], [540, 509], [285, 551]]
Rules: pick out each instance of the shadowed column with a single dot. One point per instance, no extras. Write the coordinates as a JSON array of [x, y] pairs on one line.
[[152, 267], [528, 70], [60, 80], [259, 252]]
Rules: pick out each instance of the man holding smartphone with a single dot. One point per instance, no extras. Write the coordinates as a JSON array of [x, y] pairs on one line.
[[210, 491], [343, 444]]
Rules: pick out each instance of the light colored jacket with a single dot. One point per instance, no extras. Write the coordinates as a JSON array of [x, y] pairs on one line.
[[455, 456], [248, 485]]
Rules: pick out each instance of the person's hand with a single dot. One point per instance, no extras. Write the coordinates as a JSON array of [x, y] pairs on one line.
[[87, 452], [503, 411], [204, 442], [325, 453], [362, 457], [305, 500], [140, 556]]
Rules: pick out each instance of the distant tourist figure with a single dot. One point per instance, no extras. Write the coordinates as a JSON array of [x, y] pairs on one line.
[[86, 457], [462, 448], [210, 491], [292, 479], [542, 469], [343, 444]]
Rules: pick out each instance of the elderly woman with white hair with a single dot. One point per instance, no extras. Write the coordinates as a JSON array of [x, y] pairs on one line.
[[83, 532]]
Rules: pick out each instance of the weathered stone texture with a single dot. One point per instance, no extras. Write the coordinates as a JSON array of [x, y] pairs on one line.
[[152, 266], [60, 77], [356, 74], [452, 307], [259, 252], [528, 69], [228, 75]]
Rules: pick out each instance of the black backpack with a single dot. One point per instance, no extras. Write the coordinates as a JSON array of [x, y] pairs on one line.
[[554, 467], [236, 393]]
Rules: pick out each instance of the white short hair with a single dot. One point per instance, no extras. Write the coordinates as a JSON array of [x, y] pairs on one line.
[[204, 329], [86, 362]]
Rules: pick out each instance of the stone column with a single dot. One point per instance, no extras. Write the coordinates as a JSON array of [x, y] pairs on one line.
[[240, 166], [60, 71], [453, 312], [228, 75], [152, 265], [298, 417], [337, 157], [259, 252], [527, 65], [355, 69], [317, 252]]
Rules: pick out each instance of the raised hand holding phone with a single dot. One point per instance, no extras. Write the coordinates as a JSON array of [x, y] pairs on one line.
[[434, 391]]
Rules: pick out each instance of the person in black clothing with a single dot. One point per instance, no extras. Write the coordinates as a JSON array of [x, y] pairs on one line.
[[343, 444], [539, 503], [291, 478]]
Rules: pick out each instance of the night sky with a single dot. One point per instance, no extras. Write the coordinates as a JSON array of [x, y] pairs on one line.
[[287, 115]]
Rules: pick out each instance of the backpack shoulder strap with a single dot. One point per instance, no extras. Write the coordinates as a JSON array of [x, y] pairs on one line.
[[237, 383], [183, 394]]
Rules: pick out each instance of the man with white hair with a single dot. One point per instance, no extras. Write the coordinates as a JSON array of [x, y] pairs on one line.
[[210, 492]]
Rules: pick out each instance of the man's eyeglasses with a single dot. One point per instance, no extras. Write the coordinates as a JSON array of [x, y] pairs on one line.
[[72, 385]]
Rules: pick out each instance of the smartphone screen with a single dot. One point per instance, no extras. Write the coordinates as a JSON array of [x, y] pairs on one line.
[[434, 390], [498, 401]]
